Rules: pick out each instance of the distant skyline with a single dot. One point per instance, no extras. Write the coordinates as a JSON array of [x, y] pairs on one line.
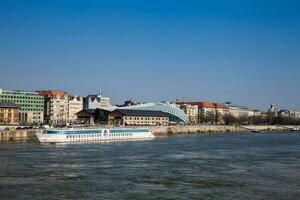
[[247, 52]]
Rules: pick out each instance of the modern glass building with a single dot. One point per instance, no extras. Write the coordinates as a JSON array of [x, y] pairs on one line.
[[31, 105], [176, 114]]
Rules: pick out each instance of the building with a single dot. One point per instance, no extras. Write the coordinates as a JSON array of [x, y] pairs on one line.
[[211, 112], [283, 113], [289, 114], [31, 105], [191, 111], [273, 109], [92, 116], [75, 105], [241, 111], [9, 113], [176, 115], [257, 113], [208, 112], [295, 114], [97, 101], [56, 106], [130, 103], [138, 117]]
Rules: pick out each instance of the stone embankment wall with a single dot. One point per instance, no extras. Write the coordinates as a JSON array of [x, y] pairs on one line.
[[171, 130], [159, 130], [18, 135]]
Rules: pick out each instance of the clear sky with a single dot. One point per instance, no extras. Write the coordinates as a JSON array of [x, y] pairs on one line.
[[244, 51]]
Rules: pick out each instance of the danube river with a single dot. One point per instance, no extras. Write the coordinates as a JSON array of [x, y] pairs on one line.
[[214, 166]]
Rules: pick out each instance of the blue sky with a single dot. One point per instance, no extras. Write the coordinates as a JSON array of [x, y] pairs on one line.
[[245, 51]]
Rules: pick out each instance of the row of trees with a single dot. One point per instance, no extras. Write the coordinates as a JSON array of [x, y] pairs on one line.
[[268, 119]]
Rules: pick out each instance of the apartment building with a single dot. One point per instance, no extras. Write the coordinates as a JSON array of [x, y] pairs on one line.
[[56, 106], [75, 105]]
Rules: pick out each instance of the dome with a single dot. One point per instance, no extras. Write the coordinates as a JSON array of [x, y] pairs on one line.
[[176, 114]]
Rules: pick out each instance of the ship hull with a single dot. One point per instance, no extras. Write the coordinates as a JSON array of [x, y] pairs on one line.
[[88, 136]]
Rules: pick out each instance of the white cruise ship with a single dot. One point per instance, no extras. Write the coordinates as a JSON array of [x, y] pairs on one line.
[[93, 135]]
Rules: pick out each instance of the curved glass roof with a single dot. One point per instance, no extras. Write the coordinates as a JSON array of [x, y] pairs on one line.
[[177, 115]]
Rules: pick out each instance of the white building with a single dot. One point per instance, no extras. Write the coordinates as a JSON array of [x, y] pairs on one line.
[[241, 111], [191, 111], [75, 105], [57, 110], [295, 114], [60, 108], [97, 101]]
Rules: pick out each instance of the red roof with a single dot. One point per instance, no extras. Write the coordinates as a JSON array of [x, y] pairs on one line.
[[52, 93], [221, 106], [206, 104]]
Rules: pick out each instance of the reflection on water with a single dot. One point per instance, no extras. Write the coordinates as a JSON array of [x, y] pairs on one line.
[[217, 166]]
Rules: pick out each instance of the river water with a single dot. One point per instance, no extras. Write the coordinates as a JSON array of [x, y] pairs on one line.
[[214, 166]]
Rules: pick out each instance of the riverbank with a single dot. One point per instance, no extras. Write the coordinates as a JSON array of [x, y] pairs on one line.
[[18, 135], [173, 130], [163, 130]]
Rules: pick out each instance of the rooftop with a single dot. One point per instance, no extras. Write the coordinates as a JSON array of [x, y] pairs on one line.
[[234, 105], [147, 113], [205, 104], [92, 111], [52, 93], [17, 92]]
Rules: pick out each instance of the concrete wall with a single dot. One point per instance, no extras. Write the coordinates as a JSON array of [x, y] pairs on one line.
[[170, 130], [18, 135]]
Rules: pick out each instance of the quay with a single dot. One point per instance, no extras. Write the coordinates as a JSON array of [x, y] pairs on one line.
[[13, 135], [173, 130], [164, 130]]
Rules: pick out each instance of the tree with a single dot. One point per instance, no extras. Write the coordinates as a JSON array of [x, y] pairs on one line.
[[229, 119]]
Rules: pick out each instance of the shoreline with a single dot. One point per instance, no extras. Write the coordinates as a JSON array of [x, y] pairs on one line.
[[167, 130], [177, 130]]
